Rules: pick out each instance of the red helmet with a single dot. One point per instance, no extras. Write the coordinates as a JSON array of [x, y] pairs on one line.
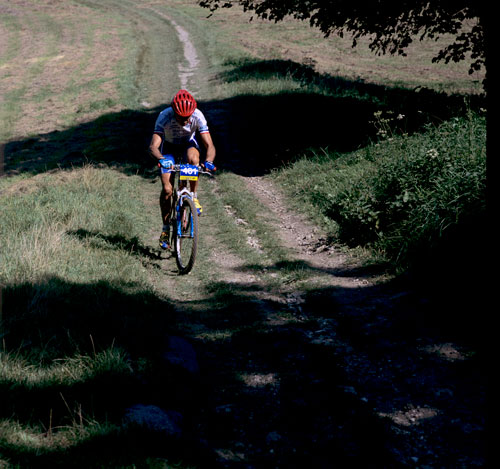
[[183, 103]]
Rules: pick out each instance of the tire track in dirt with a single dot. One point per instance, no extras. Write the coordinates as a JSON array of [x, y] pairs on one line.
[[366, 327], [154, 80], [189, 71], [191, 62], [376, 331], [230, 269]]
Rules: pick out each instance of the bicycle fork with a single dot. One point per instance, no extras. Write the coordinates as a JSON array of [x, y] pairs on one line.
[[183, 194]]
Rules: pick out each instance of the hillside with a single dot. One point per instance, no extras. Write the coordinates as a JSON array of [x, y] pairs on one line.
[[283, 348]]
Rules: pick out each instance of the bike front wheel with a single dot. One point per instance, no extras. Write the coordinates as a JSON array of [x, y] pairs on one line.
[[186, 236]]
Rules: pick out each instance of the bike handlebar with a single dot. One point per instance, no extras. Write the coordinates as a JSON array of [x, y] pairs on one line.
[[177, 167]]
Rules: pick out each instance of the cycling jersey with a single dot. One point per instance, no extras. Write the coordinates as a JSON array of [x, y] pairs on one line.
[[172, 132]]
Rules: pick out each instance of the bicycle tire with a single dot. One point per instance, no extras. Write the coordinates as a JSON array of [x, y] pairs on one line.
[[173, 221], [186, 236]]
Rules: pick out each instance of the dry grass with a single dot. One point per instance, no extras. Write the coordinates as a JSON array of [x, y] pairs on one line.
[[296, 41], [60, 64]]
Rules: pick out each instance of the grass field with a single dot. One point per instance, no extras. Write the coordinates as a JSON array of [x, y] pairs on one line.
[[89, 305]]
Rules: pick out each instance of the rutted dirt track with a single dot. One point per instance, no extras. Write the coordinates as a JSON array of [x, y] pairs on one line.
[[357, 377], [370, 374]]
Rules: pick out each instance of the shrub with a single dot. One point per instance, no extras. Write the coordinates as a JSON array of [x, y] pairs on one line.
[[405, 195]]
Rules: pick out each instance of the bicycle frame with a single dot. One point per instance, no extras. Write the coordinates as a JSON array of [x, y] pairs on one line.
[[182, 190], [180, 195], [184, 216]]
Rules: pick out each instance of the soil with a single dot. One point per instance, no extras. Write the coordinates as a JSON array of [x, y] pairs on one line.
[[361, 351], [362, 374]]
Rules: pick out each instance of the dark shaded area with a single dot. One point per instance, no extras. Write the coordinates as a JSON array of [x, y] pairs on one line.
[[119, 139], [450, 277], [55, 320], [300, 265], [455, 276], [133, 245], [288, 394], [253, 134], [269, 131], [306, 406], [302, 417], [306, 413], [65, 318]]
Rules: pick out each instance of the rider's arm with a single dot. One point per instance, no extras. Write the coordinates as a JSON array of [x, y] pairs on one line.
[[154, 147], [206, 138]]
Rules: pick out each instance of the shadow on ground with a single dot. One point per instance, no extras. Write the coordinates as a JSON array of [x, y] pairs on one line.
[[267, 394], [253, 133], [302, 408], [274, 385], [133, 245]]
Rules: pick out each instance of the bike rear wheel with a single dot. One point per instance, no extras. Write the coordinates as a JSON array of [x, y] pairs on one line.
[[186, 236]]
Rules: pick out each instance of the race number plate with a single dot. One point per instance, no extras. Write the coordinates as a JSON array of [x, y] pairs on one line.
[[188, 172]]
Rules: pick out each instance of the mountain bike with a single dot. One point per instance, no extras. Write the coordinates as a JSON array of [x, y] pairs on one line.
[[184, 217]]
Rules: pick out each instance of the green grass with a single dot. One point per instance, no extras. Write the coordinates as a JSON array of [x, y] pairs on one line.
[[42, 441], [248, 221], [13, 45], [88, 303], [403, 196], [65, 371], [38, 24], [79, 304], [38, 228]]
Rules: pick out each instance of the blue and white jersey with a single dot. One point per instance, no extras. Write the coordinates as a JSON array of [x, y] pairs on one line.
[[173, 132]]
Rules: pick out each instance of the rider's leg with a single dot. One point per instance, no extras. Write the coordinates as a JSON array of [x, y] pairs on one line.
[[193, 157], [167, 181]]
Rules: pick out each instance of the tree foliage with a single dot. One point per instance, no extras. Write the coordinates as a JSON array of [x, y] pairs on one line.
[[392, 25]]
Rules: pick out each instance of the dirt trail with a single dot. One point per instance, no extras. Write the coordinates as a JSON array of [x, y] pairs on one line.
[[307, 242], [191, 63], [419, 398], [430, 391], [396, 370]]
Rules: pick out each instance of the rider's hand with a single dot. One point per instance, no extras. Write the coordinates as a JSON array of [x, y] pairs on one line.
[[209, 166], [166, 163]]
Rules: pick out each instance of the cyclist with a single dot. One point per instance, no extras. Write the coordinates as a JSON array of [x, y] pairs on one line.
[[174, 141]]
